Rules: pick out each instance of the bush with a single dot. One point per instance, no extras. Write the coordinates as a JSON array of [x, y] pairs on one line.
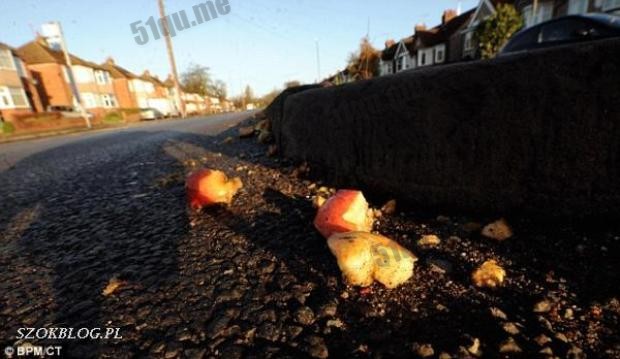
[[494, 32], [6, 127], [113, 117]]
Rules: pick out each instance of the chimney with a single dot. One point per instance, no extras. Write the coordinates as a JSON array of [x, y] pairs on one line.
[[146, 73], [109, 61], [419, 27], [389, 43], [448, 15]]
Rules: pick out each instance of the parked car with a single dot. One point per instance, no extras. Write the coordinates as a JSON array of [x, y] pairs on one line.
[[69, 111], [147, 114], [564, 30]]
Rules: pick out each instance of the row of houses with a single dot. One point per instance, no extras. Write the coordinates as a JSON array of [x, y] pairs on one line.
[[35, 78], [453, 39]]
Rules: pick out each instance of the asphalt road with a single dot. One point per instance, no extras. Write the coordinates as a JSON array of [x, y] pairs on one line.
[[140, 133]]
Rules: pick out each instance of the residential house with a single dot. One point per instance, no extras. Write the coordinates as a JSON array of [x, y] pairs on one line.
[[49, 69], [398, 56], [549, 9], [18, 94], [442, 43], [157, 95], [194, 103], [545, 10], [121, 79]]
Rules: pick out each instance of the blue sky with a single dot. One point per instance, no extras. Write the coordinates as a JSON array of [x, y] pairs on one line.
[[260, 43]]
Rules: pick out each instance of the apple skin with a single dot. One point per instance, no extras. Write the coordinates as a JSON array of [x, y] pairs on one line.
[[206, 187], [335, 215]]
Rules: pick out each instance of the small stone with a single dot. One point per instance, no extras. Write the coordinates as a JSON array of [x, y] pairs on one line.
[[316, 347], [429, 240], [542, 340], [425, 350], [439, 266], [510, 328], [293, 331], [245, 132], [509, 346], [489, 274], [318, 201], [474, 348], [568, 314], [498, 313], [195, 353], [444, 355], [335, 323], [389, 207], [546, 351], [498, 230], [542, 307], [561, 337], [268, 331], [328, 310], [228, 140], [304, 316], [575, 353]]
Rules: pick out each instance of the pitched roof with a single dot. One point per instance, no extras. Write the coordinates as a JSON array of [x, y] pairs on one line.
[[116, 71], [441, 33], [388, 53], [146, 76], [36, 52]]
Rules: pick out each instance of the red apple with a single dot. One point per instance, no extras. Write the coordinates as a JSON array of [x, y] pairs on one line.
[[346, 211], [206, 187]]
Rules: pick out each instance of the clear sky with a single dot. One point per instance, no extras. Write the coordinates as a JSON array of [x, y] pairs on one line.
[[260, 43]]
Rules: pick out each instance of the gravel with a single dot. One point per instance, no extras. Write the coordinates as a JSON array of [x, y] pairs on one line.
[[256, 280]]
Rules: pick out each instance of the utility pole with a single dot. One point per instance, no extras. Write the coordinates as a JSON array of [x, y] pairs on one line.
[[318, 61], [534, 11], [53, 32], [173, 64]]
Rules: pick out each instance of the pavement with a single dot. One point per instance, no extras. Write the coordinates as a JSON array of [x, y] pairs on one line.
[[95, 232]]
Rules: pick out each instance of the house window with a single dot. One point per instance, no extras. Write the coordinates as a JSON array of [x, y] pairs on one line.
[[18, 96], [5, 98], [102, 77], [611, 5], [89, 100], [13, 97], [544, 12], [577, 6], [439, 55], [6, 60], [19, 65], [469, 44], [108, 100]]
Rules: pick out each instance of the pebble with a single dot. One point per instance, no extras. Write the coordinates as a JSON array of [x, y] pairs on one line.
[[315, 347], [498, 313], [304, 316], [425, 350], [510, 328], [542, 307], [429, 240], [509, 346], [542, 340]]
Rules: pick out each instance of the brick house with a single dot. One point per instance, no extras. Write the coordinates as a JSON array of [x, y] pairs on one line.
[[18, 95], [93, 82], [121, 80]]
